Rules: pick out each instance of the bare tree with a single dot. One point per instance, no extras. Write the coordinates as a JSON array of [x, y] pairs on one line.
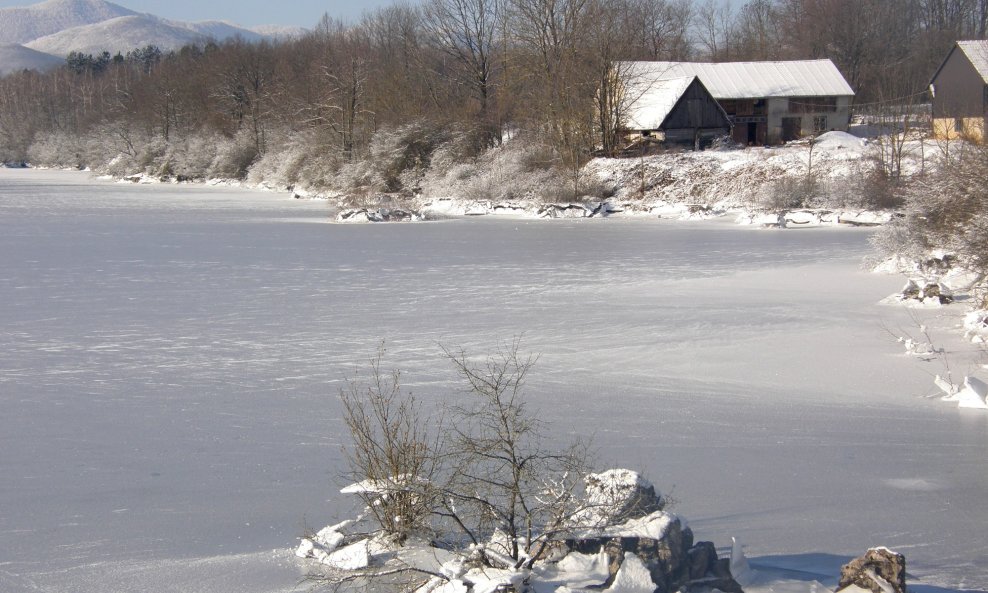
[[468, 32], [392, 455], [483, 484], [757, 30], [506, 486], [713, 29]]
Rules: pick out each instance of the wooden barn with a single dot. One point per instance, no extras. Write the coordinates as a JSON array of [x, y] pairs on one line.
[[959, 92], [674, 110], [767, 102]]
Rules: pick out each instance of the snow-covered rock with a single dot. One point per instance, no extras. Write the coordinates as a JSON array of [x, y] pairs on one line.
[[564, 211], [323, 544], [973, 394], [879, 570], [976, 326], [378, 215], [632, 577], [926, 293], [665, 546], [798, 218], [352, 557], [575, 571], [762, 219], [617, 496], [864, 218]]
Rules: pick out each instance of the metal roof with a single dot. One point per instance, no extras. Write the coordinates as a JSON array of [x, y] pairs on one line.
[[977, 54], [647, 103], [750, 80]]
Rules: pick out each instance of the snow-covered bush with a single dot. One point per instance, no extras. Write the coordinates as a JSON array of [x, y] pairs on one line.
[[787, 193], [400, 159], [234, 157], [946, 211], [519, 170], [58, 149], [871, 188], [299, 161], [190, 158]]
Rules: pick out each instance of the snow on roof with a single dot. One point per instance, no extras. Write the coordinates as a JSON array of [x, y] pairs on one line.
[[977, 54], [751, 80], [647, 102]]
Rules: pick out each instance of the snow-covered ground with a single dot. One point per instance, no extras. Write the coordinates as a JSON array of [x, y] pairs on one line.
[[170, 358]]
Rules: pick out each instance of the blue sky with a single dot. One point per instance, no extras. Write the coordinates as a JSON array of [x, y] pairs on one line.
[[304, 13]]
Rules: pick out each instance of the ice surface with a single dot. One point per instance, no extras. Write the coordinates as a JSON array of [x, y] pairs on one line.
[[170, 358]]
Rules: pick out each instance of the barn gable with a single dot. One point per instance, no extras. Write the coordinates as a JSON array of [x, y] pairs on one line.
[[959, 92]]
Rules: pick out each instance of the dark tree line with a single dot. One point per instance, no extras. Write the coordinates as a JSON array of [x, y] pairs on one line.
[[481, 70]]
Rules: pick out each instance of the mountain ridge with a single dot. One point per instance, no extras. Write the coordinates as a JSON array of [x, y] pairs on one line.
[[125, 33], [22, 24], [15, 57], [58, 27]]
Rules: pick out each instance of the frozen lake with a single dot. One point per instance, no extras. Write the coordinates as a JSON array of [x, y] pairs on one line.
[[170, 358]]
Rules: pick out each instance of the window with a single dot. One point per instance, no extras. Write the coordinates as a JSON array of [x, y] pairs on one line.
[[959, 125], [819, 124]]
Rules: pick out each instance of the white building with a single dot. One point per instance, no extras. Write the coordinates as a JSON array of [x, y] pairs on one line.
[[767, 102]]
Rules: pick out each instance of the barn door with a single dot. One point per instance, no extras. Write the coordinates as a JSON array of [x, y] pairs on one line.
[[791, 128]]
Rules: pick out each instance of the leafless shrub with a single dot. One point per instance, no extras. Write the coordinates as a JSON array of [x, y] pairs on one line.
[[392, 457], [484, 476], [787, 193], [876, 190], [234, 158]]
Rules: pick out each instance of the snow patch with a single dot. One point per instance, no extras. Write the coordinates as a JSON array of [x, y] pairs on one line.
[[973, 394], [632, 577], [976, 326]]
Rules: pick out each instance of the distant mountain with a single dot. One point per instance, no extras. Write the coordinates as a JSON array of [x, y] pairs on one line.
[[23, 24], [14, 58], [280, 31], [58, 27], [220, 30], [126, 33]]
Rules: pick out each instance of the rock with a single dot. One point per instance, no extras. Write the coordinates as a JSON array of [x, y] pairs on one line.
[[379, 215], [801, 218], [618, 495], [673, 562], [353, 557], [625, 520], [604, 209], [766, 220], [866, 218], [563, 211], [910, 290], [976, 326], [879, 570], [935, 291], [972, 394], [632, 577], [702, 557], [938, 265]]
